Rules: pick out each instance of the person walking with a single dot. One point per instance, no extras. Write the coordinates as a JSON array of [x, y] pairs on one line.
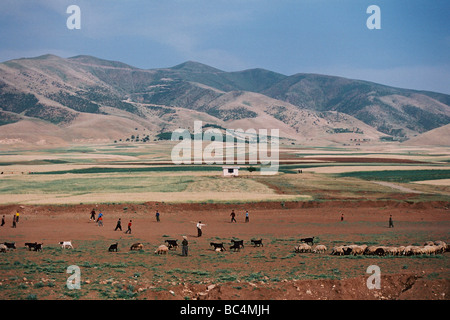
[[3, 220], [14, 221], [100, 219], [342, 217], [92, 215], [247, 219], [17, 216], [391, 223], [184, 246], [129, 228], [199, 228], [157, 216], [119, 225], [233, 215]]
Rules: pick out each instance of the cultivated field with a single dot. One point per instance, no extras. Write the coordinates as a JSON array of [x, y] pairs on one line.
[[54, 190]]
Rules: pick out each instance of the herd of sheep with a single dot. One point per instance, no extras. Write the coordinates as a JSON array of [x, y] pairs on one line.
[[429, 248]]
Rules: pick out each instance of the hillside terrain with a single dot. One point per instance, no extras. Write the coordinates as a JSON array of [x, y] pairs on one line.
[[50, 100]]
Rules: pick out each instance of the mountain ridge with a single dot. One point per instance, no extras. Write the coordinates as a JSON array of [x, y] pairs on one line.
[[60, 90]]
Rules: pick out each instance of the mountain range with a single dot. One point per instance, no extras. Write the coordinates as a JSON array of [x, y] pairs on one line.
[[49, 100]]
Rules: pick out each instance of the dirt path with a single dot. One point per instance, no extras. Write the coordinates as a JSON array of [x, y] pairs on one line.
[[395, 186]]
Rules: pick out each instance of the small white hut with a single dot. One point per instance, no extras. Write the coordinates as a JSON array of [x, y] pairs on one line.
[[230, 171]]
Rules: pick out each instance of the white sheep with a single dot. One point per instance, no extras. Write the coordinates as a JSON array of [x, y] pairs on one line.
[[338, 251], [320, 248], [303, 247], [358, 250], [370, 250], [3, 248], [162, 249]]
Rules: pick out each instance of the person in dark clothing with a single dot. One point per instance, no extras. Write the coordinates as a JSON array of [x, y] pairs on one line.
[[14, 221], [391, 223], [233, 215], [342, 217], [157, 215], [247, 219], [3, 220], [184, 248], [129, 227], [119, 225], [92, 215]]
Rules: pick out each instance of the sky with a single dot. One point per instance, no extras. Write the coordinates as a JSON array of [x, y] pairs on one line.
[[410, 50]]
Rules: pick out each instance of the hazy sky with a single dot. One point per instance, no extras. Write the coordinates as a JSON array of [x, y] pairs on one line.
[[411, 50]]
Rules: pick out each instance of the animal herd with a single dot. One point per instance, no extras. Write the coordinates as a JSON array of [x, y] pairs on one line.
[[429, 248], [306, 245]]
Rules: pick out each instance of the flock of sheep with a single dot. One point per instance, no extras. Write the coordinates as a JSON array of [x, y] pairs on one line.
[[429, 248]]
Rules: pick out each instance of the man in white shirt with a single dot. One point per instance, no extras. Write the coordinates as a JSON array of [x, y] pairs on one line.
[[199, 228]]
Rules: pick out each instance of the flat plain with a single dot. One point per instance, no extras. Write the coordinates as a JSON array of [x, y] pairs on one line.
[[54, 191]]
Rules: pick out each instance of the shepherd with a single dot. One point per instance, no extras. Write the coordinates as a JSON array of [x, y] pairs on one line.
[[129, 228], [92, 215], [119, 225], [184, 248], [232, 214], [199, 228]]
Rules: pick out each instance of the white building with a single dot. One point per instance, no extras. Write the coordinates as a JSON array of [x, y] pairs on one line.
[[230, 171]]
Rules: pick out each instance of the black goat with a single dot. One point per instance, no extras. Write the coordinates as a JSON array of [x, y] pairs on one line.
[[10, 245], [113, 247], [239, 243], [235, 246], [30, 245], [308, 240], [257, 243], [172, 244], [38, 247], [217, 245]]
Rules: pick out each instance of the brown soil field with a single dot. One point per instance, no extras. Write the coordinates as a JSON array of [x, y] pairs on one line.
[[270, 272]]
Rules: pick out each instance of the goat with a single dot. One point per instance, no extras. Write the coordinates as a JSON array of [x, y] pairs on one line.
[[217, 246], [239, 243], [10, 245], [30, 245], [66, 244], [172, 244], [257, 243], [236, 246], [162, 249], [308, 240], [38, 247], [137, 246], [113, 247]]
